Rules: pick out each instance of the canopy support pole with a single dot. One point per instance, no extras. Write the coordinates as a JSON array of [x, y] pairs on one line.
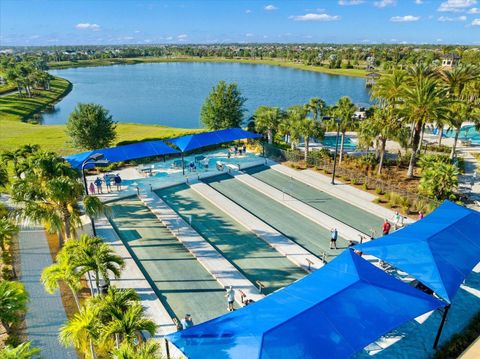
[[183, 164], [167, 348], [440, 328]]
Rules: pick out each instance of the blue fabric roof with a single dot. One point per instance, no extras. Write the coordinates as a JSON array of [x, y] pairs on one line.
[[191, 142], [332, 313], [440, 250], [124, 153]]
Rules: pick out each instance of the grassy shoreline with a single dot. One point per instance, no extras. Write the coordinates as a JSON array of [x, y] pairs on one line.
[[273, 62]]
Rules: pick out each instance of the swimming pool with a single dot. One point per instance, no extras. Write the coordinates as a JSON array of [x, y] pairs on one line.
[[330, 140], [466, 133]]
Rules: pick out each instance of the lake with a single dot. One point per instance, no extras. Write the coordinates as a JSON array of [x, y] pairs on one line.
[[172, 93]]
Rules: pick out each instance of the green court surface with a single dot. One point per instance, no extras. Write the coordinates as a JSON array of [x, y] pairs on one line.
[[251, 255], [179, 280], [298, 228], [343, 211]]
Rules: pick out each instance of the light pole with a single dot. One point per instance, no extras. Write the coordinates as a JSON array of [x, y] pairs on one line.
[[337, 121], [95, 159]]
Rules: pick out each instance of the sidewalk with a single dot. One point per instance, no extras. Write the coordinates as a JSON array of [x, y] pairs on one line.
[[45, 313]]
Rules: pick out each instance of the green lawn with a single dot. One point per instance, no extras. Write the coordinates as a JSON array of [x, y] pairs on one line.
[[275, 62]]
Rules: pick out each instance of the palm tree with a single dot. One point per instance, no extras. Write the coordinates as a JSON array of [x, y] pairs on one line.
[[129, 326], [22, 351], [13, 303], [317, 107], [65, 272], [423, 102], [344, 109], [267, 120], [290, 124], [91, 254], [7, 231], [4, 179], [81, 331], [309, 128], [147, 350]]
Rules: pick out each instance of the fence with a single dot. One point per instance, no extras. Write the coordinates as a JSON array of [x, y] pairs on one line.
[[356, 177]]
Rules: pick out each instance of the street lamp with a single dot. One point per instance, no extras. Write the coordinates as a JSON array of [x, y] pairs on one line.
[[97, 160], [337, 121]]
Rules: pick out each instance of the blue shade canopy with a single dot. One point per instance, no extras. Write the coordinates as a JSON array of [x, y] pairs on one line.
[[332, 313], [124, 153], [191, 142], [440, 250]]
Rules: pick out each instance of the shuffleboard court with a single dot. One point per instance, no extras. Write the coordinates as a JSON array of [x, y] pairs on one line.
[[343, 211], [298, 228], [251, 255], [179, 280]]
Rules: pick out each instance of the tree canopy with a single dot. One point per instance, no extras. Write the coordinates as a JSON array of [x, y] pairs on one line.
[[90, 127], [223, 107]]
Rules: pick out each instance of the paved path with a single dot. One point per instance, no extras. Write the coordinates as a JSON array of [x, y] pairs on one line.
[[46, 313], [349, 194], [465, 180], [311, 213], [275, 239], [221, 269]]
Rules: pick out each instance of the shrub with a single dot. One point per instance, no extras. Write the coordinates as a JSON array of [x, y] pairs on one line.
[[439, 181], [395, 199], [378, 191]]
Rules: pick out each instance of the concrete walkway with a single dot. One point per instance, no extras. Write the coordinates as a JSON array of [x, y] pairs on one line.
[[349, 194], [275, 239], [46, 313], [221, 269], [311, 213]]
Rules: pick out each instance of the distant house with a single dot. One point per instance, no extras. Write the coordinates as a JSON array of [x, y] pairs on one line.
[[372, 77], [450, 61]]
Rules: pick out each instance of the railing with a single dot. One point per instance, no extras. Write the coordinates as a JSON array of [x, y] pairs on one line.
[[355, 176]]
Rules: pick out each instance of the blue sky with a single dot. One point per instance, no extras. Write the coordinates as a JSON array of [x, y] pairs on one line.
[[62, 22]]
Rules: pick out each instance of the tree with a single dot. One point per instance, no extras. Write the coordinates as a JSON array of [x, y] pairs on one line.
[[81, 331], [4, 180], [65, 272], [223, 107], [309, 128], [267, 120], [23, 351], [7, 231], [344, 110], [423, 102], [316, 107], [439, 181], [129, 325], [289, 125], [13, 303], [90, 127], [148, 350]]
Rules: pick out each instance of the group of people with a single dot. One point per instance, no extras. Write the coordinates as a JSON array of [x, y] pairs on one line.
[[109, 180], [237, 151]]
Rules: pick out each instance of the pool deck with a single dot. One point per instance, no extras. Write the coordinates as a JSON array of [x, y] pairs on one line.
[[275, 239], [221, 269], [309, 212]]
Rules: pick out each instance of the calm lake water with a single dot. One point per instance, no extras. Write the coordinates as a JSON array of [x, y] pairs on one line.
[[172, 93]]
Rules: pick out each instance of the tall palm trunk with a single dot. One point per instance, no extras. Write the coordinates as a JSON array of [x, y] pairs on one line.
[[307, 145], [75, 297], [92, 349], [415, 141], [440, 135], [383, 143], [455, 139], [270, 136], [342, 143]]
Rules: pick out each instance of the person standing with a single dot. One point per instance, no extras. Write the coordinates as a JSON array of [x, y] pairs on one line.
[[106, 178], [98, 183], [118, 182], [333, 238], [386, 227], [420, 215], [397, 220], [187, 322], [230, 298], [91, 188]]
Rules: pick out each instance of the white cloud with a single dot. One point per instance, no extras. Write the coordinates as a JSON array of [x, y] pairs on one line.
[[182, 36], [136, 32], [350, 2], [456, 5], [384, 3], [315, 17], [270, 8], [249, 34], [439, 40], [452, 19], [474, 10], [169, 38], [407, 18], [87, 26], [248, 11], [419, 2], [476, 22]]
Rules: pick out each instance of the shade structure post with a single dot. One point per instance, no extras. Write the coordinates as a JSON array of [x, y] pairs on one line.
[[336, 150], [440, 328], [167, 348], [183, 164]]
